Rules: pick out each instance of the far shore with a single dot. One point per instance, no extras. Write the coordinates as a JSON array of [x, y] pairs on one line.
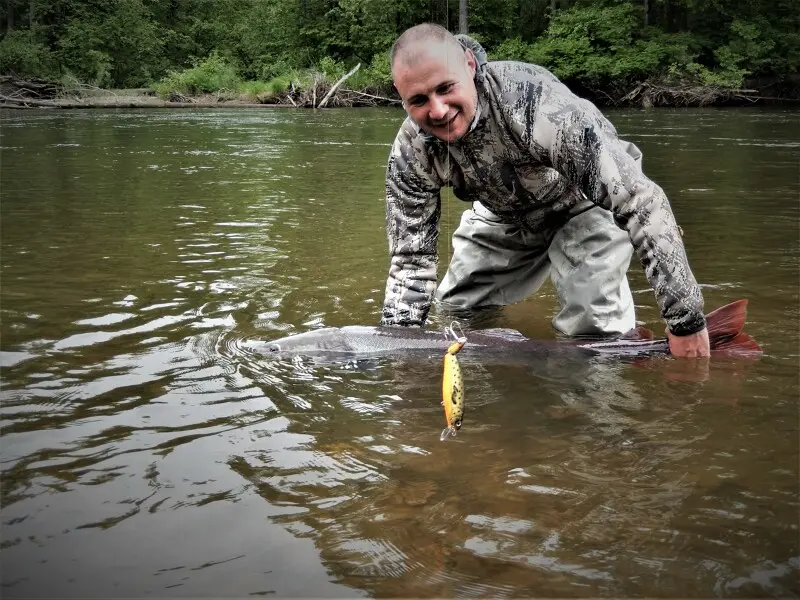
[[134, 99], [644, 95]]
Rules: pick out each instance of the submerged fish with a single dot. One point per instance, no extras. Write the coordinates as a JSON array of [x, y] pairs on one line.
[[357, 342], [452, 391]]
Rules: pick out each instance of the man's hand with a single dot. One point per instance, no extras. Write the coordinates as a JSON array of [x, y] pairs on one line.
[[693, 345]]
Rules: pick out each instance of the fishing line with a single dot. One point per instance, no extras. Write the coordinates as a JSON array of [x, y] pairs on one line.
[[447, 223]]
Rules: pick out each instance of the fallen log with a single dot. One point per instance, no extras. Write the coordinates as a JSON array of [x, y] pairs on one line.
[[25, 101], [28, 103], [337, 84]]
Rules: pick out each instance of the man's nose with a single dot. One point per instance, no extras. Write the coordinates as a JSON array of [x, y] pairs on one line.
[[438, 110]]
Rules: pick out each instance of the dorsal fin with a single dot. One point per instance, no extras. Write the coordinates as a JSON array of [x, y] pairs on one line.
[[638, 333]]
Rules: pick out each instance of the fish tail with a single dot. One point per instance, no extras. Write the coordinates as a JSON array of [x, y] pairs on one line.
[[725, 333]]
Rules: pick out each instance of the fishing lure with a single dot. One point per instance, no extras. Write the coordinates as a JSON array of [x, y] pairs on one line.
[[453, 388]]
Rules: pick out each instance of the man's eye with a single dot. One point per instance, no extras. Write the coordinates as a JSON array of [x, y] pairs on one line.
[[417, 101], [445, 88]]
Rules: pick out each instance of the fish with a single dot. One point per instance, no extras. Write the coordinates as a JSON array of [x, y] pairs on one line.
[[452, 391], [353, 343]]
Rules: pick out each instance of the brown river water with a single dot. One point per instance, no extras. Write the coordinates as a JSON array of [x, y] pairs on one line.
[[149, 451]]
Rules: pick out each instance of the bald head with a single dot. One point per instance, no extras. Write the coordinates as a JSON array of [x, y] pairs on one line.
[[434, 76], [420, 40]]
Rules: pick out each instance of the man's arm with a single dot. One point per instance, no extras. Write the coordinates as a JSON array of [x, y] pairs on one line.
[[412, 226], [584, 147]]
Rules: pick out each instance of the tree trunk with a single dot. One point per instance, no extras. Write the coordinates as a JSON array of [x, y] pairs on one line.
[[646, 11], [9, 15], [462, 16]]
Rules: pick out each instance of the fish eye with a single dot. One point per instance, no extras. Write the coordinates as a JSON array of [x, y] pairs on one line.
[[274, 348], [457, 424]]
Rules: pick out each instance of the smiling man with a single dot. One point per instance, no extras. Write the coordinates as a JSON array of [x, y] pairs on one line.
[[554, 191]]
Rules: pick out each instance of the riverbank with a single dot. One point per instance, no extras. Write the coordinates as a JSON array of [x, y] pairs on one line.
[[23, 94], [18, 93]]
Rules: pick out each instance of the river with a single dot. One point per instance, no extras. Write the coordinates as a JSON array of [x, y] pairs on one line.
[[149, 451]]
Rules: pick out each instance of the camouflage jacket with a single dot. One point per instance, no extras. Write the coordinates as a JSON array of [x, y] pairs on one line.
[[534, 152]]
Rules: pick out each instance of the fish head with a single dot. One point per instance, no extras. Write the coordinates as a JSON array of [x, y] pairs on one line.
[[310, 343], [453, 421]]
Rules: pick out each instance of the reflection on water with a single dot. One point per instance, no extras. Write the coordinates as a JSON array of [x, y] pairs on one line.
[[149, 450]]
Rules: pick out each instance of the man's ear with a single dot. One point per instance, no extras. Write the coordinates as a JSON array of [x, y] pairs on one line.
[[472, 62]]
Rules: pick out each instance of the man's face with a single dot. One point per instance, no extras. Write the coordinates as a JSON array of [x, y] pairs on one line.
[[438, 90]]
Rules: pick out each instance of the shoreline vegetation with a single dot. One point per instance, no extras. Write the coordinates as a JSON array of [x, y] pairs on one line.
[[334, 53], [316, 91]]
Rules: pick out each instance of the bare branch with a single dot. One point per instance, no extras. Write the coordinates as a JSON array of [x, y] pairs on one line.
[[337, 84]]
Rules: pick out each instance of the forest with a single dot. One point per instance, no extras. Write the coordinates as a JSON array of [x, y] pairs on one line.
[[663, 52]]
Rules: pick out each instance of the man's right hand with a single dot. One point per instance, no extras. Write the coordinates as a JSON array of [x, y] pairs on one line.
[[694, 345]]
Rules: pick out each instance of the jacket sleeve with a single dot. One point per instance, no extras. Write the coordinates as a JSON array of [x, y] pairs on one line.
[[583, 146], [412, 227]]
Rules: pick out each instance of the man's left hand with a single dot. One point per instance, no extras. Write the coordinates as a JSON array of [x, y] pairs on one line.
[[693, 345]]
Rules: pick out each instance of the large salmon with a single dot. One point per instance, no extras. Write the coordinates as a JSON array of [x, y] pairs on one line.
[[355, 342]]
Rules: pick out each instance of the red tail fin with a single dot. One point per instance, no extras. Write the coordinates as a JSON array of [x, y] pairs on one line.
[[725, 330]]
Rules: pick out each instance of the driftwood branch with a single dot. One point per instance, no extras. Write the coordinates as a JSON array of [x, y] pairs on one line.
[[39, 88], [26, 101], [337, 84], [393, 101]]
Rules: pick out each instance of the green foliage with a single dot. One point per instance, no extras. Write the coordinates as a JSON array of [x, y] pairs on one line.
[[212, 74], [114, 44], [747, 51], [598, 46], [22, 54], [595, 43], [605, 47], [331, 69], [380, 69], [511, 49]]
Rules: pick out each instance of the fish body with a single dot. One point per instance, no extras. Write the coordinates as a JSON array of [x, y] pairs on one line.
[[452, 391], [356, 342]]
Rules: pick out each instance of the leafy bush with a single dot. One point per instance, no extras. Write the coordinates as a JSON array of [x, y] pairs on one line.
[[376, 76], [211, 74], [281, 84], [747, 51], [380, 69], [332, 70], [22, 54], [511, 49], [255, 90]]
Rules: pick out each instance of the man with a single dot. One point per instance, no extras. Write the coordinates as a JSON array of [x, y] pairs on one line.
[[553, 191]]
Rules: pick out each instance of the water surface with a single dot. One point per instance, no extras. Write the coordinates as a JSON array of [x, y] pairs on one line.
[[148, 450]]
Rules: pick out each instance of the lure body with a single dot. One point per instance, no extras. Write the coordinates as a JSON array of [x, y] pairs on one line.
[[452, 391]]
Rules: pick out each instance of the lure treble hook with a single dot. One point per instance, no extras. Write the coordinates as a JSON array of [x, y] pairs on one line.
[[459, 338]]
